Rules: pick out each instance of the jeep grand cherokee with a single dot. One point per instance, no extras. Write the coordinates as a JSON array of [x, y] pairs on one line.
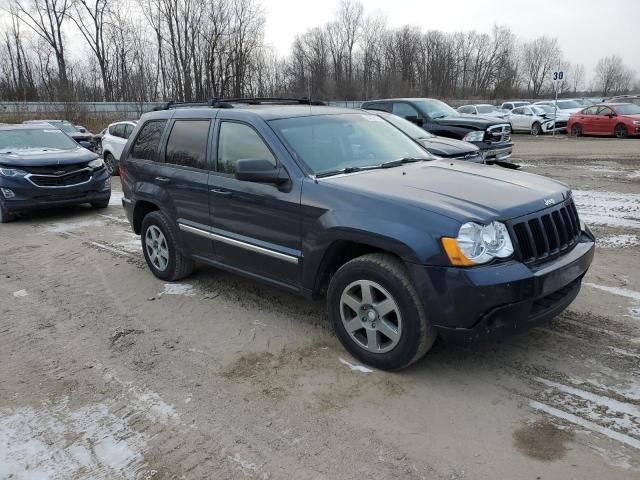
[[320, 200]]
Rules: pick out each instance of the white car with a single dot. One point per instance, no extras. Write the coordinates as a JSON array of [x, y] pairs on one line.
[[514, 104], [483, 109], [113, 142], [532, 119]]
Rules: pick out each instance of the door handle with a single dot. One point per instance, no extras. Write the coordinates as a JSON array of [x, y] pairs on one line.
[[163, 179], [221, 192]]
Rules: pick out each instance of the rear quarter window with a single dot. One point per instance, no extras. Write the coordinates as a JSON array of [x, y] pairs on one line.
[[187, 144], [146, 144]]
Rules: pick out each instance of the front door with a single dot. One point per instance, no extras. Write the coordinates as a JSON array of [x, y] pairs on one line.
[[255, 226]]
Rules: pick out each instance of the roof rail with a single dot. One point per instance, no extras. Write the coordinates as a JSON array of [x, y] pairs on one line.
[[227, 102]]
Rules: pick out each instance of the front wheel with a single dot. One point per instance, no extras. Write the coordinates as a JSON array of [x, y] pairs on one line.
[[620, 131], [576, 130], [536, 129], [377, 314], [161, 251], [110, 162], [5, 216]]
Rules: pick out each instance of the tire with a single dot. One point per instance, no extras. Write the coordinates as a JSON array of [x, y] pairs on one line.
[[386, 277], [536, 129], [576, 130], [100, 205], [110, 162], [620, 131], [5, 216], [177, 265]]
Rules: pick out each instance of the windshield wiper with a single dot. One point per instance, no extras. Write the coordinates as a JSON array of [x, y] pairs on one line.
[[400, 161], [346, 170]]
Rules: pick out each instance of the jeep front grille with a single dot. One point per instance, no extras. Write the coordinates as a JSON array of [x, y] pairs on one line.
[[547, 234]]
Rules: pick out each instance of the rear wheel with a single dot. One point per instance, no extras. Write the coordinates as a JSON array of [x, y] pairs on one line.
[[5, 216], [161, 251], [536, 129], [110, 162], [377, 314], [576, 130], [620, 131]]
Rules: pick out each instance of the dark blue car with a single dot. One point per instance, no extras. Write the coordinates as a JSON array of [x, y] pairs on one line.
[[42, 167], [326, 201]]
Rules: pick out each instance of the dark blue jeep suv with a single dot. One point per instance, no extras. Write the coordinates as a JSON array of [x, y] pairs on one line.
[[42, 167], [321, 200]]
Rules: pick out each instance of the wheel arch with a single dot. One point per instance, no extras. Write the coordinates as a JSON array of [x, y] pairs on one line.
[[141, 209]]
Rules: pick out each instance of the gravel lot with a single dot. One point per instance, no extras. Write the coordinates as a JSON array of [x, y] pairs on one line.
[[109, 373]]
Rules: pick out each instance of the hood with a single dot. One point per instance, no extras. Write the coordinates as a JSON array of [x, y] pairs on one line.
[[46, 157], [478, 122], [570, 111], [632, 117], [447, 147], [457, 189]]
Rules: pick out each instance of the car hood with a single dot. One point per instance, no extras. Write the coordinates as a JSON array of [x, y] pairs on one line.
[[45, 157], [457, 189], [478, 122], [632, 117], [447, 147]]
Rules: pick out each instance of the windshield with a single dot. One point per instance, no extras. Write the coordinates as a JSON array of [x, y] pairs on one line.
[[435, 108], [328, 143], [539, 110], [34, 139], [545, 108], [407, 127], [567, 104], [627, 109], [487, 108]]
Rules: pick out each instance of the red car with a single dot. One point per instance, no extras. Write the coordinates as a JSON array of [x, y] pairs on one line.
[[618, 119]]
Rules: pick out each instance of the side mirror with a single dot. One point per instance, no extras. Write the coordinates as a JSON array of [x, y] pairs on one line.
[[415, 119], [260, 171], [610, 115]]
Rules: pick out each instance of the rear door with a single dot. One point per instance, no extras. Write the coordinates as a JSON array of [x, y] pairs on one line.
[[518, 120], [182, 179], [256, 227], [586, 119]]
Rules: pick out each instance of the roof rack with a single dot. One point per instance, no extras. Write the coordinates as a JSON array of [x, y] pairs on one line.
[[227, 102]]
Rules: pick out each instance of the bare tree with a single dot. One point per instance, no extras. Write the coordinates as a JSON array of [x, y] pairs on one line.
[[612, 76], [46, 19], [539, 58]]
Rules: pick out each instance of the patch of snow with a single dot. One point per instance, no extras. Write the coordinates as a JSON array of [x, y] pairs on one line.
[[132, 245], [596, 168], [178, 289], [355, 368], [63, 227], [20, 294], [635, 174], [246, 466], [569, 417], [618, 241], [622, 292], [116, 199], [154, 407], [58, 442], [608, 208]]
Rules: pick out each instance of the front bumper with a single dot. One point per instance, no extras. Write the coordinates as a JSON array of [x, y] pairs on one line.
[[494, 300], [27, 196], [492, 152]]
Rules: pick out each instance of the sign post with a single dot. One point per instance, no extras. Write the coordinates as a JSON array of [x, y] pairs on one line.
[[558, 76]]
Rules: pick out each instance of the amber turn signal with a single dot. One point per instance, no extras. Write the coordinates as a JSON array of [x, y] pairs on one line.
[[456, 257]]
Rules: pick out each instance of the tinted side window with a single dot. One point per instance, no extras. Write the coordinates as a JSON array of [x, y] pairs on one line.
[[604, 111], [381, 106], [112, 130], [590, 111], [238, 142], [404, 110], [187, 144], [148, 140], [465, 109], [118, 130], [518, 111]]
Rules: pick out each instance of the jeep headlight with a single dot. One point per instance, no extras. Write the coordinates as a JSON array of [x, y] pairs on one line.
[[478, 244], [476, 136], [12, 172], [96, 164]]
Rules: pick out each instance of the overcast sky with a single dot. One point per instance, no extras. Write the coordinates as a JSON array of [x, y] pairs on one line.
[[586, 29]]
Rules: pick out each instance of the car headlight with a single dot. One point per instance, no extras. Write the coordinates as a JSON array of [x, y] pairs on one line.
[[96, 164], [478, 244], [636, 122], [476, 136], [12, 172]]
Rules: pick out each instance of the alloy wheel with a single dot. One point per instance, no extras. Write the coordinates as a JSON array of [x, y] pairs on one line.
[[371, 316], [157, 248]]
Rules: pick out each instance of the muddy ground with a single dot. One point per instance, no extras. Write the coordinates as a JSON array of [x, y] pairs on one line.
[[107, 372]]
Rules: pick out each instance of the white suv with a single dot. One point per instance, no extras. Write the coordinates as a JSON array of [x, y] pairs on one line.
[[114, 140]]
